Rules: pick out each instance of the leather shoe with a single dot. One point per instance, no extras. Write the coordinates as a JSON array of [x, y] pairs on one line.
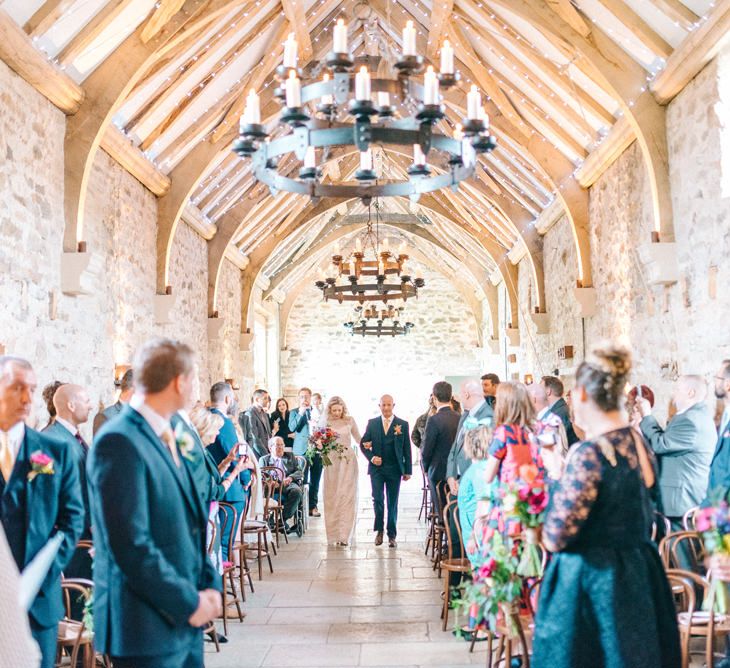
[[391, 542], [314, 513], [379, 538]]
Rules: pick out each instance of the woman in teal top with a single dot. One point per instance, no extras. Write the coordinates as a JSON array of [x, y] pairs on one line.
[[473, 486]]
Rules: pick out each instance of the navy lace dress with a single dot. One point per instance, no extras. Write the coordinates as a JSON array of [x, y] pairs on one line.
[[605, 601]]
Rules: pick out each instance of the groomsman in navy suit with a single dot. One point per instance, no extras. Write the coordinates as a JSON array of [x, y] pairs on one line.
[[40, 495], [155, 587], [387, 446]]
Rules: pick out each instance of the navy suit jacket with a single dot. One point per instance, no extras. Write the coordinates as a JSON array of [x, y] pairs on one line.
[[560, 408], [441, 431], [60, 433], [32, 511], [720, 466], [400, 442], [149, 536], [219, 449]]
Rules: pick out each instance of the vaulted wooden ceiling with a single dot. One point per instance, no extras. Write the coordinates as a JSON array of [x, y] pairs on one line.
[[160, 84]]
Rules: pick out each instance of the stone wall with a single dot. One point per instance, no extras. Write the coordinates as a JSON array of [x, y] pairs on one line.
[[323, 356]]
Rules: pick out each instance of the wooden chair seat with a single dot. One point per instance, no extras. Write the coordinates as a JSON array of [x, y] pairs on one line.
[[462, 565]]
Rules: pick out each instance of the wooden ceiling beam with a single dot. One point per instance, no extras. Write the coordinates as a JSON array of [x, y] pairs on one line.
[[295, 12], [638, 27], [679, 13], [164, 11], [566, 10], [440, 17], [45, 16]]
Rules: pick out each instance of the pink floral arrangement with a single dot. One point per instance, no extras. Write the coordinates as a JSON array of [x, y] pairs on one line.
[[713, 523], [40, 464]]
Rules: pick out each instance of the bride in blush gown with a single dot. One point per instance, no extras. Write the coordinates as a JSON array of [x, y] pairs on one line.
[[340, 479]]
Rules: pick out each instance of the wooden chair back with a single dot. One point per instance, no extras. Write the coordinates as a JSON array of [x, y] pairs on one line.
[[452, 527], [688, 519], [671, 545], [211, 536], [229, 518]]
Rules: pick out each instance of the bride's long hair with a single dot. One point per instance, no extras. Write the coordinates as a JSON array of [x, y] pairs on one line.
[[335, 401]]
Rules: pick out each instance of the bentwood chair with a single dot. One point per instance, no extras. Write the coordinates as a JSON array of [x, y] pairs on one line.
[[688, 519], [231, 594], [260, 529], [425, 496], [75, 638], [272, 479], [682, 546], [303, 510], [210, 630], [452, 563]]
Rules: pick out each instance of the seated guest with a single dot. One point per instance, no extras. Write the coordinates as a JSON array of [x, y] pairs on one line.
[[279, 421], [604, 599], [288, 472], [126, 392], [490, 382], [48, 393], [33, 461], [557, 406], [684, 448], [473, 486], [155, 587], [255, 425]]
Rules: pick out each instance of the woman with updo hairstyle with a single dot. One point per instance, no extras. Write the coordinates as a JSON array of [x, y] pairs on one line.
[[604, 601]]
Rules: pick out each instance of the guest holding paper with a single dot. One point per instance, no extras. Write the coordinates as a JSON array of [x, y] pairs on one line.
[[154, 584], [40, 495]]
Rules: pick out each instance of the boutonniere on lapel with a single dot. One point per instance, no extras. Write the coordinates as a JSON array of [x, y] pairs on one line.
[[185, 442], [40, 464], [397, 430]]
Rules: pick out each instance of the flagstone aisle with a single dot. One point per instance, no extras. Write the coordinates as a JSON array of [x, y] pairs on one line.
[[358, 606]]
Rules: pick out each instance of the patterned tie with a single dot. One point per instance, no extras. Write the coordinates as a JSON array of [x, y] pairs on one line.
[[81, 441], [7, 460], [168, 438]]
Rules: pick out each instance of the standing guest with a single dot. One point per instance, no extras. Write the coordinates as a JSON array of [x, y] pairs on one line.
[[317, 408], [40, 495], [557, 406], [340, 479], [255, 424], [300, 422], [125, 394], [441, 430], [513, 446], [604, 600], [476, 412], [288, 472], [473, 486], [419, 428], [720, 466], [48, 393], [490, 382], [549, 428], [456, 405], [154, 584], [279, 421], [684, 448], [222, 402], [387, 447]]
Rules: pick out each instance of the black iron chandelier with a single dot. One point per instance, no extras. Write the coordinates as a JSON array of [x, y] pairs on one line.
[[372, 271], [371, 321], [332, 93]]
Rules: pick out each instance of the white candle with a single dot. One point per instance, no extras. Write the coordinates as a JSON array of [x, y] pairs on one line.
[[310, 158], [430, 87], [362, 85], [383, 99], [381, 268], [293, 91], [352, 267], [447, 58], [366, 164], [386, 245], [473, 103], [458, 132], [418, 157], [252, 113], [336, 250], [290, 51], [327, 97], [468, 154], [340, 37], [483, 116], [409, 39], [402, 248], [358, 241]]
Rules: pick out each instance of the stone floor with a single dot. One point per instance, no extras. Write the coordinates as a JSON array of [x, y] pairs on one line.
[[356, 606]]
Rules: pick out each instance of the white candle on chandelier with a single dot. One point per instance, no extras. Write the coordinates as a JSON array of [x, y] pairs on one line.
[[340, 37], [468, 154], [293, 91], [310, 158], [386, 245], [366, 164], [327, 97], [321, 274], [418, 157], [430, 87], [447, 58], [358, 243], [290, 51], [383, 98], [473, 103], [483, 117], [458, 132], [353, 268], [336, 250], [409, 39], [381, 268], [402, 248], [362, 85], [252, 113]]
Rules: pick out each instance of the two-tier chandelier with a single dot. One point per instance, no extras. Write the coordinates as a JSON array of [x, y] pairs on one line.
[[372, 271], [371, 321], [415, 135]]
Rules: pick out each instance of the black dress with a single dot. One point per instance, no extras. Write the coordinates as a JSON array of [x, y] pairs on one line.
[[283, 427], [604, 601]]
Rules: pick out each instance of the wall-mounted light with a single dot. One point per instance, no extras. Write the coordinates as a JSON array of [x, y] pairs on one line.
[[233, 383], [512, 358], [119, 371], [565, 353], [529, 380]]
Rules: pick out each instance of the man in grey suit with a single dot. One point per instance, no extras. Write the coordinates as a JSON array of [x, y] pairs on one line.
[[684, 448], [255, 424], [476, 409], [126, 392]]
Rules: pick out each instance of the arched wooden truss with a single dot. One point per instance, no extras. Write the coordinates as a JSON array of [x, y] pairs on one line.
[[160, 85]]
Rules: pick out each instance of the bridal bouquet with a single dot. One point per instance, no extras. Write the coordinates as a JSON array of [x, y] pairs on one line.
[[323, 442], [713, 523]]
